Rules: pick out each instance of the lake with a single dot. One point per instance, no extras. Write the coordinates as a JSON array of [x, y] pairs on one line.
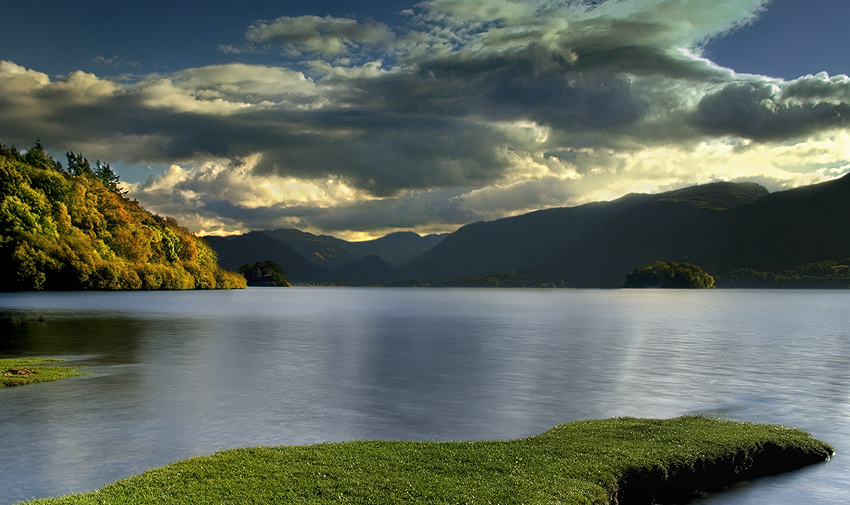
[[180, 374]]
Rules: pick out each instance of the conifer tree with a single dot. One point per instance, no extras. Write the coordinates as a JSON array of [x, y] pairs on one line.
[[78, 165]]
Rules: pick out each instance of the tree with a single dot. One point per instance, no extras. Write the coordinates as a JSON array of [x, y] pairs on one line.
[[109, 179], [78, 165], [37, 156]]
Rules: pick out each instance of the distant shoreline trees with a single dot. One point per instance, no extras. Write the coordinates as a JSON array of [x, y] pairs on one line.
[[75, 230]]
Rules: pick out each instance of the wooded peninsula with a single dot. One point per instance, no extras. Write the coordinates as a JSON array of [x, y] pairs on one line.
[[72, 228]]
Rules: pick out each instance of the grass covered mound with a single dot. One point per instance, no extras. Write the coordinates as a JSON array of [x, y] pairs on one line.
[[20, 371], [623, 460]]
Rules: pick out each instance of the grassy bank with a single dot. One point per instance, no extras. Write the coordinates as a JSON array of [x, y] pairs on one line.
[[20, 371], [621, 460]]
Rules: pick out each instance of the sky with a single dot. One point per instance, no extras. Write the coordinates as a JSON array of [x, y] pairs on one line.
[[360, 118]]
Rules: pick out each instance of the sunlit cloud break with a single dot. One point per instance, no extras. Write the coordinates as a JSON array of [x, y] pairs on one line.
[[469, 110]]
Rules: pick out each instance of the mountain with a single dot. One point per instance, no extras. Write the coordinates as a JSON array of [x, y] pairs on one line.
[[515, 243], [687, 225], [775, 232], [562, 243], [236, 251], [368, 269], [730, 230], [789, 228], [308, 258], [332, 253], [321, 250], [398, 248], [75, 230]]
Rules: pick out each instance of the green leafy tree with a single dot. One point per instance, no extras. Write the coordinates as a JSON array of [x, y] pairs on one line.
[[37, 157]]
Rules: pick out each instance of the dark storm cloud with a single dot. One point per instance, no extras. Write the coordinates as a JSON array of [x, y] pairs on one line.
[[765, 110], [384, 160], [416, 209], [511, 87]]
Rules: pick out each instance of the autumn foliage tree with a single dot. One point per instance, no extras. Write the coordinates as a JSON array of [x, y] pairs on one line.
[[74, 229]]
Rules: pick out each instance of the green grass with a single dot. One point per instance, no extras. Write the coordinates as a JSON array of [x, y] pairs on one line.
[[582, 462], [20, 371]]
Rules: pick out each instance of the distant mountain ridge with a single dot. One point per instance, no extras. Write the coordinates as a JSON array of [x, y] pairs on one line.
[[547, 242], [308, 258], [721, 227]]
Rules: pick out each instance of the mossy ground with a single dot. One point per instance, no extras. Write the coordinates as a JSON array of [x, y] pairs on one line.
[[21, 371], [583, 462]]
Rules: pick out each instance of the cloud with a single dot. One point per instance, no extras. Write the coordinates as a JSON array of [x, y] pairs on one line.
[[776, 110], [113, 61], [469, 110], [222, 197], [321, 35]]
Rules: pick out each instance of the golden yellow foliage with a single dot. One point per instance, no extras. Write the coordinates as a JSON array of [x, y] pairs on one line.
[[71, 232]]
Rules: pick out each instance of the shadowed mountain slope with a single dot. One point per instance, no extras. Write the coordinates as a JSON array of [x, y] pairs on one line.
[[561, 243], [398, 248], [322, 250], [238, 250], [308, 258], [368, 269], [776, 231], [332, 253]]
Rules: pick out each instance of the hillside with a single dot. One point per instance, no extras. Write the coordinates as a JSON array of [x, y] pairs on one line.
[[591, 245], [321, 250], [237, 250], [75, 230], [308, 258], [398, 248], [774, 232]]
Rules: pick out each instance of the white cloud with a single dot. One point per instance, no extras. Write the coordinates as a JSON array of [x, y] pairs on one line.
[[17, 78], [247, 83]]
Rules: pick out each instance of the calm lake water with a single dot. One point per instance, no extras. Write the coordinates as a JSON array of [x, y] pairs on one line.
[[180, 374]]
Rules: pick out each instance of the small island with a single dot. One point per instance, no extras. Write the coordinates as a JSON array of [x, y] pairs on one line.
[[22, 371], [606, 461], [668, 274], [264, 273]]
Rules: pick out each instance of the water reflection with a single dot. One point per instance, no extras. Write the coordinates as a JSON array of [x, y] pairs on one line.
[[182, 374]]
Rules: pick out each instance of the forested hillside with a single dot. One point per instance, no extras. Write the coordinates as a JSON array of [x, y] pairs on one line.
[[73, 229]]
